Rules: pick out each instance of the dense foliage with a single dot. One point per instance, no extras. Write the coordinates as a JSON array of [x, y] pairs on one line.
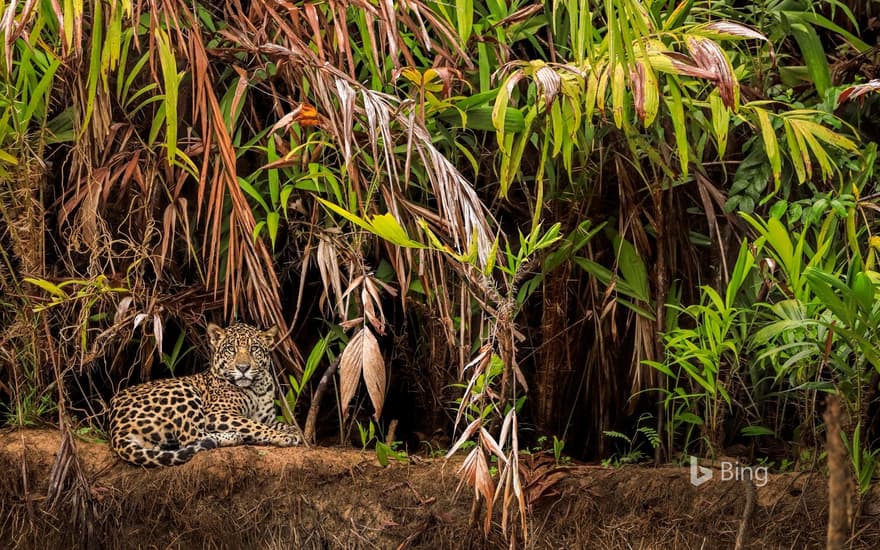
[[628, 225]]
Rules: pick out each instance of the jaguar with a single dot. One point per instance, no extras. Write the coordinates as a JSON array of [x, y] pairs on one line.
[[166, 422]]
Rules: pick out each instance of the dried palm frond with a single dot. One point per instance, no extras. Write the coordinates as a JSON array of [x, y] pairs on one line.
[[362, 358]]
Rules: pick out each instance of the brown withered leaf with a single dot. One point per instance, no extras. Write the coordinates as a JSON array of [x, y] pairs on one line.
[[350, 369], [540, 473], [468, 432], [373, 305], [489, 443], [331, 276], [709, 55], [728, 30], [475, 472], [362, 358], [550, 84], [374, 371], [638, 89], [731, 29], [859, 90]]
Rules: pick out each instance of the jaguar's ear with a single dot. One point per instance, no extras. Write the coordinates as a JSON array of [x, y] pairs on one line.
[[270, 334], [215, 334]]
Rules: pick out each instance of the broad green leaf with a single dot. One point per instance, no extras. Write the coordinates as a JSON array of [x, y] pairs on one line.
[[580, 28], [743, 266], [249, 189], [558, 134], [618, 93], [652, 94], [689, 418], [499, 110], [6, 157], [480, 118], [94, 73], [720, 120], [158, 122], [818, 20], [387, 227], [511, 161], [770, 145], [800, 159], [678, 15], [51, 288], [123, 87], [171, 81], [814, 53], [272, 220], [353, 218], [637, 309], [821, 284], [285, 198], [863, 290], [606, 277], [484, 62], [823, 133], [632, 268], [258, 228], [464, 14], [776, 329], [274, 180], [676, 112], [506, 172], [40, 94], [112, 45], [593, 98], [822, 157], [183, 161], [756, 431], [69, 14]]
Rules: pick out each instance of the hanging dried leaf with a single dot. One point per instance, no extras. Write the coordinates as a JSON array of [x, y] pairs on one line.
[[350, 368], [468, 432], [482, 361], [122, 308], [373, 305], [331, 276], [475, 472], [362, 358], [138, 319], [374, 371], [709, 55], [489, 442], [158, 332]]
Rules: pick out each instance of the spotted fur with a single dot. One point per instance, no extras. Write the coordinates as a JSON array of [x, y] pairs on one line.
[[166, 422]]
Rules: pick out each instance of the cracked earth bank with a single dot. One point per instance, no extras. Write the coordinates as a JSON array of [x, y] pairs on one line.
[[261, 497]]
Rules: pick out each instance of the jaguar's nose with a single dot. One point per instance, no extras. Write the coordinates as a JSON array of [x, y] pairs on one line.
[[242, 367]]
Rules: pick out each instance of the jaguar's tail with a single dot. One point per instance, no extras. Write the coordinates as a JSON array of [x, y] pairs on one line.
[[135, 453]]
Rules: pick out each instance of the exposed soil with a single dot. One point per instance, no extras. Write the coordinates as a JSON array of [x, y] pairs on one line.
[[259, 497]]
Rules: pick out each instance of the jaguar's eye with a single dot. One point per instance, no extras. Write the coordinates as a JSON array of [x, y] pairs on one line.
[[257, 351]]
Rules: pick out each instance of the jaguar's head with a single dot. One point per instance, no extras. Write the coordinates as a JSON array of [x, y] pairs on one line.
[[240, 353]]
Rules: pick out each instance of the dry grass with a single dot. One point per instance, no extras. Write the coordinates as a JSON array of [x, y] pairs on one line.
[[250, 497]]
